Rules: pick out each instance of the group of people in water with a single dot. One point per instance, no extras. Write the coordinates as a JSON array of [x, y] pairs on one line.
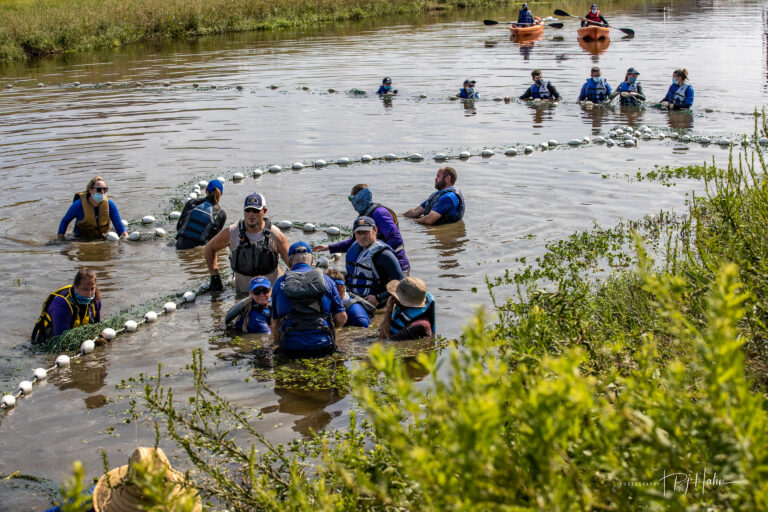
[[301, 307]]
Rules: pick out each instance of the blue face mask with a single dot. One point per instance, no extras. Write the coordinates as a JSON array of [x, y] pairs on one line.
[[387, 87], [470, 90], [362, 200], [596, 79], [674, 81], [98, 197], [632, 79], [82, 300]]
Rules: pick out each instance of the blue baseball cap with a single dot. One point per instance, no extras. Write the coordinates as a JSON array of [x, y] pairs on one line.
[[254, 201], [386, 80], [215, 184], [260, 282], [299, 248], [363, 224]]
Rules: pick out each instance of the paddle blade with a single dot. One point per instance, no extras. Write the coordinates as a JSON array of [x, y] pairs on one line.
[[555, 25], [490, 22], [558, 12], [628, 31]]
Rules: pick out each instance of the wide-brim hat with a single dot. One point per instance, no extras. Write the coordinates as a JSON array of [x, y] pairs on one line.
[[411, 292], [114, 492]]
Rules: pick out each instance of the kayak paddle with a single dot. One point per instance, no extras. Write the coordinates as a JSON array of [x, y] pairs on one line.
[[627, 31], [494, 22]]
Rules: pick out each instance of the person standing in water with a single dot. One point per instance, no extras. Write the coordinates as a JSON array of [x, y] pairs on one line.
[[93, 211]]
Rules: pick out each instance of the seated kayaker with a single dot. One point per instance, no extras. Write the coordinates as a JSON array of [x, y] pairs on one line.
[[630, 89], [359, 311], [468, 91], [594, 17], [596, 89], [540, 89], [410, 312], [680, 93], [386, 86], [525, 17]]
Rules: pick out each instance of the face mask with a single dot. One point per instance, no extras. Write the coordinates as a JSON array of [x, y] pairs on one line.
[[632, 79], [539, 81], [387, 87], [80, 299], [596, 79], [98, 197], [674, 81], [470, 90], [594, 11], [361, 200]]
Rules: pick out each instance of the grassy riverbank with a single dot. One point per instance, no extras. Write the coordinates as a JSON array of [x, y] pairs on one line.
[[44, 27]]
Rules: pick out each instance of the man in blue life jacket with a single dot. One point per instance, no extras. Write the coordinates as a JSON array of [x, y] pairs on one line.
[[69, 307], [254, 313], [444, 206], [359, 311], [467, 91], [596, 89], [540, 89], [410, 312], [371, 264], [386, 86], [202, 218], [306, 308], [525, 17]]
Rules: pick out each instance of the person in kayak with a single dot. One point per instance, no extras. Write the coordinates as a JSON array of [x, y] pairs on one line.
[[525, 17], [410, 312], [253, 314], [631, 90], [93, 211], [680, 93], [594, 17], [68, 307], [468, 90], [359, 311], [444, 206], [361, 198], [596, 89], [202, 218], [386, 86], [540, 89]]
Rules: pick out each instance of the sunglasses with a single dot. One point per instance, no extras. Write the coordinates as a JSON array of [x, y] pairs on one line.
[[260, 291], [101, 190]]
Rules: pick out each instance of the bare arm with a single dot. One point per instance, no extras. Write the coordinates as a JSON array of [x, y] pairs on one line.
[[282, 246], [339, 319], [415, 212], [216, 244], [429, 219], [275, 326], [385, 323]]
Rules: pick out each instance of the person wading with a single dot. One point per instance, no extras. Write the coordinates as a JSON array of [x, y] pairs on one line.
[[255, 247], [359, 311], [201, 219], [444, 206], [253, 314], [68, 307], [631, 90], [680, 93], [596, 89], [93, 211], [410, 312]]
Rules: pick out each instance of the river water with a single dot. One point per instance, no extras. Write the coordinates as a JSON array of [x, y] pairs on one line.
[[148, 141]]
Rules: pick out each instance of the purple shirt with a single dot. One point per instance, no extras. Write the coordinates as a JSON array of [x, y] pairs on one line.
[[389, 233], [61, 315]]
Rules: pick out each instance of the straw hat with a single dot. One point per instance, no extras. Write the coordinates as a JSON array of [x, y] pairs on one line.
[[411, 292], [115, 493]]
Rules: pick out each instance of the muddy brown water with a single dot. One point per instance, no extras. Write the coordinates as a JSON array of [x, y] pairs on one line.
[[147, 141]]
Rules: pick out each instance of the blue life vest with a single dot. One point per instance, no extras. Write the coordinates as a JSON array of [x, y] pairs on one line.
[[525, 17], [199, 222], [627, 87], [447, 218], [540, 92], [362, 278], [596, 92], [679, 97], [401, 317]]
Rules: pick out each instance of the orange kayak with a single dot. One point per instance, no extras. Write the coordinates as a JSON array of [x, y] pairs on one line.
[[525, 32], [594, 33]]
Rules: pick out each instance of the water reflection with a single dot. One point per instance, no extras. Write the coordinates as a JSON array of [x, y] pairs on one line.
[[386, 100], [594, 48], [680, 119], [89, 376], [595, 114], [631, 115], [543, 111], [448, 240], [91, 251], [309, 406], [469, 107]]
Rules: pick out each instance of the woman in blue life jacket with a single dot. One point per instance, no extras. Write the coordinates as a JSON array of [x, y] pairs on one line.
[[524, 17], [631, 90], [254, 313], [467, 92], [540, 89], [202, 218], [359, 311], [680, 93], [386, 86], [93, 211], [410, 312], [596, 89]]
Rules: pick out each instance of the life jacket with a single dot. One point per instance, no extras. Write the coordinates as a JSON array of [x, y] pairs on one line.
[[305, 291], [525, 17], [596, 92], [540, 92], [350, 299], [627, 87], [199, 222], [369, 211], [253, 259], [91, 226], [595, 17], [401, 316], [243, 309], [435, 197], [679, 97], [362, 278], [44, 326]]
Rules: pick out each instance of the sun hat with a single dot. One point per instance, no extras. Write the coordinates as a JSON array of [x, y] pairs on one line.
[[411, 292], [114, 491]]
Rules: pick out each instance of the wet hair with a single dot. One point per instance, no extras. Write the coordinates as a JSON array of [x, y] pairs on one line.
[[86, 274], [535, 73], [357, 188], [92, 183], [214, 196], [681, 72], [594, 68], [450, 171], [334, 274]]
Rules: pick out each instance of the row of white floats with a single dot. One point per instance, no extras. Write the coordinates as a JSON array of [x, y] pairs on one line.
[[86, 347]]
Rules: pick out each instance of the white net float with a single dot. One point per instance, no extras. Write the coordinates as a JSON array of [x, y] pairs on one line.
[[150, 316], [422, 96], [147, 219], [238, 176], [8, 401], [343, 161], [275, 168], [40, 85], [599, 139], [685, 138], [125, 223], [297, 166], [76, 84], [609, 143], [169, 307], [112, 236], [331, 90], [333, 231], [629, 143], [487, 153], [87, 347], [366, 158], [453, 98], [322, 262], [763, 140], [552, 142], [166, 84], [465, 154], [724, 142], [674, 135], [585, 140], [643, 128], [62, 361], [221, 179], [440, 157], [202, 184], [543, 146], [498, 98], [40, 373], [159, 232], [574, 142], [646, 136], [196, 190], [390, 156], [174, 215], [134, 236], [25, 387], [705, 140], [130, 326], [319, 163], [285, 224], [415, 157], [188, 296], [628, 137], [337, 256], [192, 195], [511, 152], [309, 227], [108, 334], [256, 173], [528, 149], [662, 136]]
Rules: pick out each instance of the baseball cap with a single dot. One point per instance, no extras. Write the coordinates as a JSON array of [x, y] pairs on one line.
[[525, 5], [632, 71], [363, 224], [215, 184], [469, 81], [298, 248], [386, 80], [259, 282], [255, 201]]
